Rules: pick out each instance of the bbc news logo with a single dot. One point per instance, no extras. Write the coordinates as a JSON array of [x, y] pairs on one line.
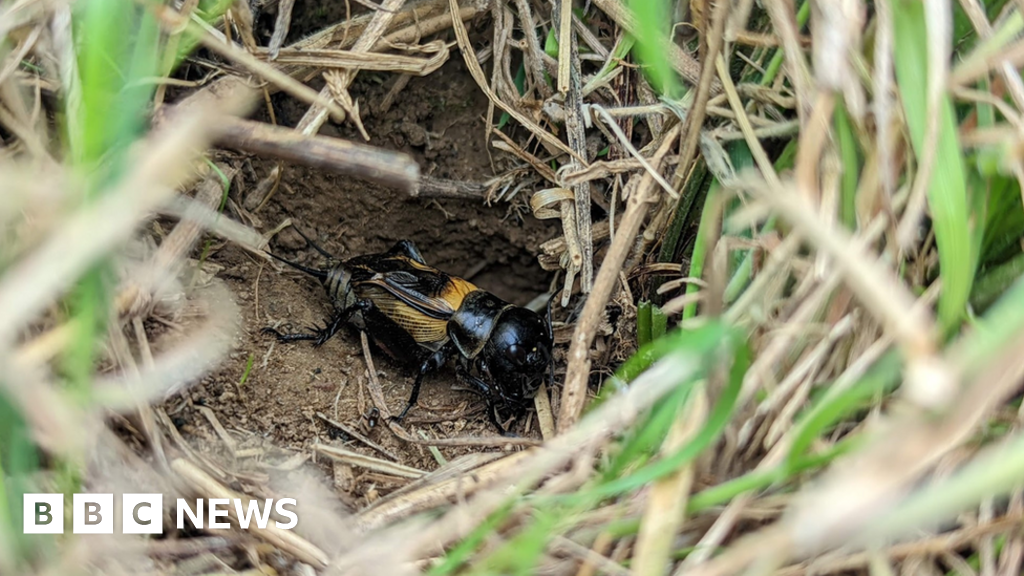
[[143, 513]]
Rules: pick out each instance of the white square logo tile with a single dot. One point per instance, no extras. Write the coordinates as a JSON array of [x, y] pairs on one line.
[[93, 514], [44, 513], [142, 513]]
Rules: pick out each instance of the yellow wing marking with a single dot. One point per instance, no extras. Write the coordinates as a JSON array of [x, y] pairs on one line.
[[456, 292], [421, 327], [440, 305]]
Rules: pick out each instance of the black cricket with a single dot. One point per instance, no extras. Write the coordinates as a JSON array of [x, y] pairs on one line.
[[424, 317]]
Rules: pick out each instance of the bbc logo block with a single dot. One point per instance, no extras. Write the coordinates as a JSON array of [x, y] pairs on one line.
[[93, 514], [144, 513]]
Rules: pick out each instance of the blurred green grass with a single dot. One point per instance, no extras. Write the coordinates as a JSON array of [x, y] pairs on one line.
[[120, 54]]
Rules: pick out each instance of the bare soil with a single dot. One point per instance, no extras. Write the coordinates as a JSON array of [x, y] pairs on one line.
[[438, 120]]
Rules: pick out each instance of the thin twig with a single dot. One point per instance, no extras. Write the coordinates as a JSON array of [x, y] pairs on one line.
[[281, 26], [394, 169], [577, 375], [697, 113], [368, 462], [355, 434]]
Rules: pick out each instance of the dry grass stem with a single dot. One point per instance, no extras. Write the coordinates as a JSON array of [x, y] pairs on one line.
[[478, 75], [250, 62], [385, 167], [367, 60], [136, 297], [578, 370], [338, 81], [576, 122], [444, 491], [560, 203], [665, 510], [368, 462], [624, 141], [164, 165], [212, 221], [281, 27], [695, 117], [682, 62], [784, 23], [545, 417], [357, 435], [888, 300], [566, 58]]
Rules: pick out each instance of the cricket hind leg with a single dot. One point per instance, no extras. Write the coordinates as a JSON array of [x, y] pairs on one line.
[[319, 335], [433, 362]]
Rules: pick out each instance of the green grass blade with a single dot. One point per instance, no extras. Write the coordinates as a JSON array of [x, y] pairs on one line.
[[460, 554], [712, 430], [850, 156], [521, 553], [947, 191], [996, 472], [708, 217], [651, 323], [653, 25], [760, 480], [643, 324], [19, 461], [996, 281], [1001, 323], [642, 442], [803, 14], [745, 269], [836, 405]]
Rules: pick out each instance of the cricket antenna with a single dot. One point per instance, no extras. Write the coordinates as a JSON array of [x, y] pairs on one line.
[[321, 274], [314, 245]]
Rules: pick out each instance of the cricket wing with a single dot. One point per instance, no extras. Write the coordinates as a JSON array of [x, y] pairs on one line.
[[424, 329], [430, 291]]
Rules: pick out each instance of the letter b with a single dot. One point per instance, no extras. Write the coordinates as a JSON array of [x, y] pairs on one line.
[[92, 514], [43, 515]]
